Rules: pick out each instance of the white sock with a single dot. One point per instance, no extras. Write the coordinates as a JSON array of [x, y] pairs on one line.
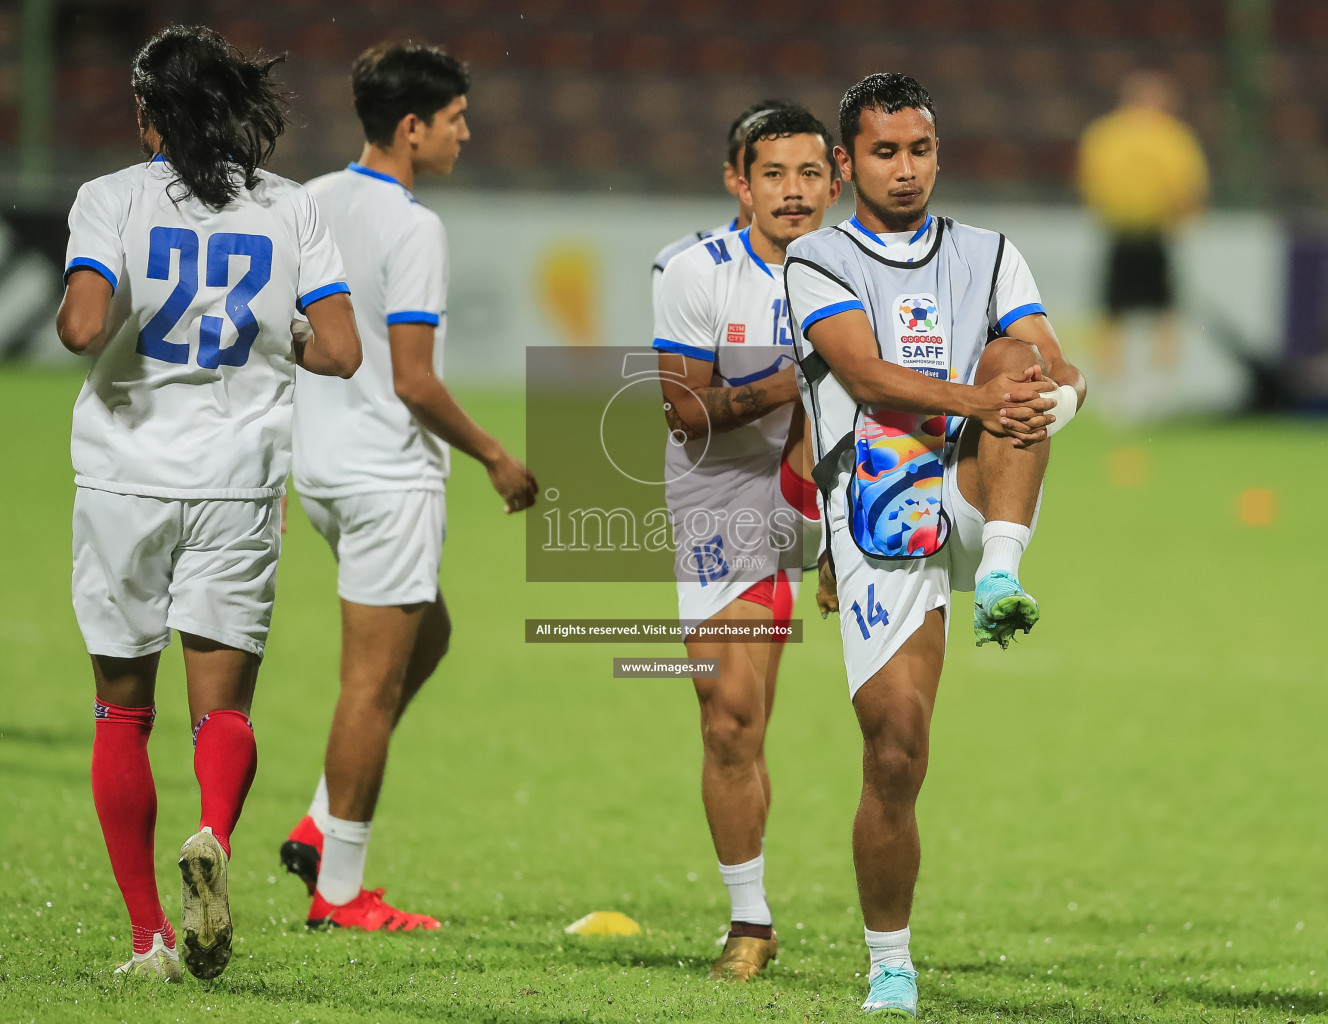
[[746, 885], [1003, 544], [889, 948], [318, 809], [341, 873]]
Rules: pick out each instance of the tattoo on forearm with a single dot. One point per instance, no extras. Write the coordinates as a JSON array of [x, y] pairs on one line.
[[732, 407], [725, 409]]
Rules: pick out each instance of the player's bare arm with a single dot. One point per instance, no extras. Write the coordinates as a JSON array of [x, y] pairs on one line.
[[81, 321], [695, 408], [846, 342], [333, 348], [432, 404]]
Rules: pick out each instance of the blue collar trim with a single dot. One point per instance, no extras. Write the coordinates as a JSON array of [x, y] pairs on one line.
[[368, 172], [745, 235], [877, 238]]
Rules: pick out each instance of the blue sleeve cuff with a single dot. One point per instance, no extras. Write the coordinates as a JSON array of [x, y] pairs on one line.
[[837, 307], [413, 316], [1019, 312], [664, 345], [309, 298], [91, 264]]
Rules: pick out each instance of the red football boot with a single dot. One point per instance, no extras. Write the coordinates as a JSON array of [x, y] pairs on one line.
[[302, 852], [366, 911]]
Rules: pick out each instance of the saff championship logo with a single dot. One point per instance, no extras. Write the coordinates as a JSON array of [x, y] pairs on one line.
[[918, 314], [920, 336]]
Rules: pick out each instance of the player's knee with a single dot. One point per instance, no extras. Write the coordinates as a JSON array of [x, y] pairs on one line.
[[733, 736], [895, 769], [1009, 357], [373, 693]]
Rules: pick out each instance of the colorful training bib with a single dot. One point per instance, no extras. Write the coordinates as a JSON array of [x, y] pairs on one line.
[[893, 498]]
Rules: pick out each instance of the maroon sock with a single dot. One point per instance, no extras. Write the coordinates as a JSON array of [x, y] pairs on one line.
[[126, 802], [225, 758]]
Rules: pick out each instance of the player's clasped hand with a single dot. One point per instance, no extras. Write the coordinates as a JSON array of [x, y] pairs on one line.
[[1018, 408], [1030, 423], [513, 481]]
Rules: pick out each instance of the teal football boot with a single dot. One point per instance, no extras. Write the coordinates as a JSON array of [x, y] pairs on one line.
[[894, 990], [1000, 607]]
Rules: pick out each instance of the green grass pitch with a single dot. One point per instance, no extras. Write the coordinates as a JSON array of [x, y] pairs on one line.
[[1124, 819]]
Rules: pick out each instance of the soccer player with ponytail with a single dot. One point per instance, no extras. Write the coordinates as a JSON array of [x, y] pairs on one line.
[[183, 275]]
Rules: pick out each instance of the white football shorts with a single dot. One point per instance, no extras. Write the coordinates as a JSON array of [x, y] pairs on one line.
[[388, 544], [144, 566], [699, 602], [882, 604]]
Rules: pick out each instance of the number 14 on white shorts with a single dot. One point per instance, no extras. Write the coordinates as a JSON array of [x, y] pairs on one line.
[[876, 615]]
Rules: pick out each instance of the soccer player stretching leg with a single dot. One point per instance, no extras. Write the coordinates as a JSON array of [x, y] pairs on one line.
[[183, 276], [371, 458], [933, 380], [726, 369]]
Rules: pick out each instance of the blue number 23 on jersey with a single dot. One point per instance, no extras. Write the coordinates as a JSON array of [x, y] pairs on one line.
[[220, 248]]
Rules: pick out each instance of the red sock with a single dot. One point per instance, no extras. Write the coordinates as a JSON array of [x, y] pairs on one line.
[[225, 758], [126, 802]]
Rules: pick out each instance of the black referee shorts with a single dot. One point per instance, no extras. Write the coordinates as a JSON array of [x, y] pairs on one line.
[[1138, 274]]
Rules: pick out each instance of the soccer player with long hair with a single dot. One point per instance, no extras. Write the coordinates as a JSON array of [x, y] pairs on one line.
[[371, 461], [183, 275]]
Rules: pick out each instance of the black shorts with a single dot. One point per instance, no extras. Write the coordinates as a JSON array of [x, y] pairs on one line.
[[1138, 274]]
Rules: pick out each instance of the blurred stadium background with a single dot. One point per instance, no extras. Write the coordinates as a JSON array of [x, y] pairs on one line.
[[597, 131]]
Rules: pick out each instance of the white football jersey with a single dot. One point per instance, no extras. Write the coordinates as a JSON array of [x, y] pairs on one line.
[[721, 302], [191, 396], [678, 247], [356, 436]]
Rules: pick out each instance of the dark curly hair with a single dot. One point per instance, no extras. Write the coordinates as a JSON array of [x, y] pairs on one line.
[[886, 91], [390, 82], [784, 123], [738, 129], [216, 110]]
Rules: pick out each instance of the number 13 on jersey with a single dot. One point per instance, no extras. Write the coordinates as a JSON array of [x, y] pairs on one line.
[[876, 615], [220, 248]]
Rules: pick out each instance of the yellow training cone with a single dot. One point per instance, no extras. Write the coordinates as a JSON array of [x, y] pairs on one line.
[[604, 922]]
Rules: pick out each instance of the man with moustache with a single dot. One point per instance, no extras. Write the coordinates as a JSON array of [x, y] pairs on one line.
[[726, 369]]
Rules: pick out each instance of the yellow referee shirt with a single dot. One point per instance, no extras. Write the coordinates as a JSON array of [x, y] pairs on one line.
[[1141, 170]]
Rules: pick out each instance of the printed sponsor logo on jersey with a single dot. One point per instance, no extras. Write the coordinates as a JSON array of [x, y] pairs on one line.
[[920, 341], [737, 334], [918, 313]]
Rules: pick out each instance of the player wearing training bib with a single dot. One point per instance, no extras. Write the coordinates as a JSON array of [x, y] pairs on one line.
[[732, 175], [929, 370], [726, 369], [371, 458], [182, 278]]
